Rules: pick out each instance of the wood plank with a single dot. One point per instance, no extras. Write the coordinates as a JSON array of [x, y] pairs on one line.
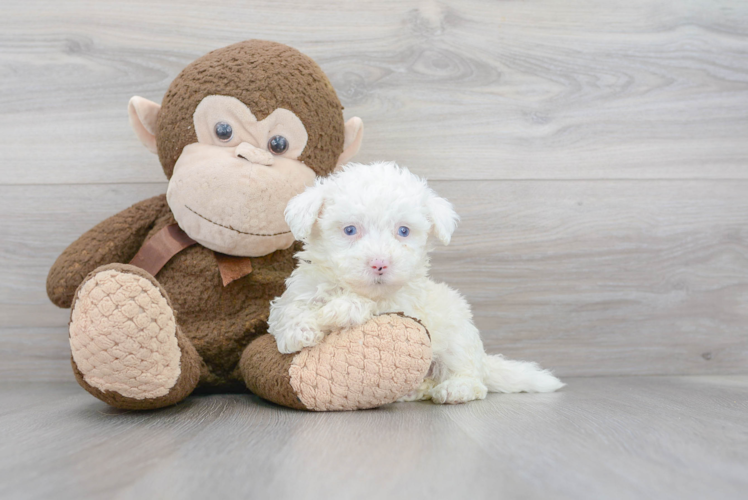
[[35, 354], [600, 277], [586, 277], [468, 89], [615, 438]]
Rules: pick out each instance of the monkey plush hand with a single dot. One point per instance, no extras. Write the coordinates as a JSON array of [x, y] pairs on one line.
[[172, 294]]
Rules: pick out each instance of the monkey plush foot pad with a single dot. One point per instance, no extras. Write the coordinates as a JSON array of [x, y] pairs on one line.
[[356, 368], [123, 336]]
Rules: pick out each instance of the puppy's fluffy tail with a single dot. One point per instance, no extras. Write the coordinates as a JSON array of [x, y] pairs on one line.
[[506, 375]]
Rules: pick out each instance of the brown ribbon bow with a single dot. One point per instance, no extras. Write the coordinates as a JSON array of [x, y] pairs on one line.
[[169, 241]]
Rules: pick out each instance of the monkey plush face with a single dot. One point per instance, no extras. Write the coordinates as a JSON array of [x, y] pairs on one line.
[[241, 131], [229, 189]]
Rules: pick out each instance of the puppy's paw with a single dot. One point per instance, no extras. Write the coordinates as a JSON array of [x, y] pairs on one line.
[[458, 390], [297, 339], [343, 312], [421, 393]]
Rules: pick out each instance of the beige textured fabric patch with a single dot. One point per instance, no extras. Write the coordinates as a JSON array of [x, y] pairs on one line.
[[123, 336], [360, 367]]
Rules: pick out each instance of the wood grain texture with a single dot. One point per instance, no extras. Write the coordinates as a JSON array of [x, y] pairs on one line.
[[604, 277], [596, 152], [614, 438], [460, 89], [585, 277]]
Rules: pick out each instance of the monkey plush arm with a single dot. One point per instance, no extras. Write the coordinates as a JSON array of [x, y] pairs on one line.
[[116, 239]]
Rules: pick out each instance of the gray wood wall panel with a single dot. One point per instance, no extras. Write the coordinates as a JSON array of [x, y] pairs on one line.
[[468, 89], [597, 153]]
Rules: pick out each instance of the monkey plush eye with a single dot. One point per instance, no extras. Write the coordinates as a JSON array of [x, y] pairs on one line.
[[224, 132], [403, 231], [350, 230], [278, 145]]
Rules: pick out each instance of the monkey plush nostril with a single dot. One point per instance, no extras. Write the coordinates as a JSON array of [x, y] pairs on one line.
[[253, 154]]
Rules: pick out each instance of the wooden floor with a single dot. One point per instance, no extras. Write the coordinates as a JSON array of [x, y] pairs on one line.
[[599, 438]]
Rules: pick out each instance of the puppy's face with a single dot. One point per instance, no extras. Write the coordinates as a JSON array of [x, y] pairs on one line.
[[371, 225]]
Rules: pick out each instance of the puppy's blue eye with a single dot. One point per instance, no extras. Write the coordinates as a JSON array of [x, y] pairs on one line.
[[224, 132], [350, 230], [403, 231]]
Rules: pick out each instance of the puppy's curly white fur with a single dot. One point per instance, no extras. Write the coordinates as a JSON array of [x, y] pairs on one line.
[[367, 231]]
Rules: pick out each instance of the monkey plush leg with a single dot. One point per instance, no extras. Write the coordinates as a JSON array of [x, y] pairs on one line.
[[127, 349], [352, 369]]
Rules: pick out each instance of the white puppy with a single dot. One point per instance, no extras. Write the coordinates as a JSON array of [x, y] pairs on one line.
[[367, 231]]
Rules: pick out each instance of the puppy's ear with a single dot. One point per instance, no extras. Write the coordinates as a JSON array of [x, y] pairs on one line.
[[443, 217], [303, 210]]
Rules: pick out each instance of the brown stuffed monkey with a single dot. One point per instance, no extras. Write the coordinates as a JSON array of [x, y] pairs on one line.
[[172, 294]]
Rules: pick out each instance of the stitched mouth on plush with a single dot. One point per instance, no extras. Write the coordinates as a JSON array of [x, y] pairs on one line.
[[232, 228]]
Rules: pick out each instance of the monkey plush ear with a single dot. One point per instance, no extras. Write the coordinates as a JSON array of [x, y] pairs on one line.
[[443, 217], [303, 210], [143, 113], [354, 134]]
